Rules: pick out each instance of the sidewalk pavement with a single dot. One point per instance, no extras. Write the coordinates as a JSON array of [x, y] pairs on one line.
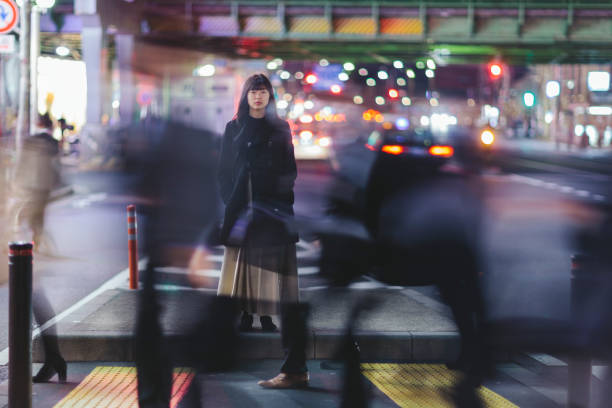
[[406, 325], [547, 151]]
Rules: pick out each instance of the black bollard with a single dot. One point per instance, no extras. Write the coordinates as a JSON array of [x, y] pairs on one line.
[[584, 283], [20, 325]]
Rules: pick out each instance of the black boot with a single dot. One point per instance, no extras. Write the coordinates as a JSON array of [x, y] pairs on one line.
[[267, 325], [246, 322], [53, 364]]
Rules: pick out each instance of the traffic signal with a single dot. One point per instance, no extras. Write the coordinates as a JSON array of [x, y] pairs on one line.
[[393, 93], [529, 99], [311, 79], [495, 70]]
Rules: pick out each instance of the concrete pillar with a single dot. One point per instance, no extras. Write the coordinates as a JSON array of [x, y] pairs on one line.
[[91, 39], [124, 44]]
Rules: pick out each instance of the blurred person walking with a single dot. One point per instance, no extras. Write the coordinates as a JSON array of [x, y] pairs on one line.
[[37, 173], [257, 172]]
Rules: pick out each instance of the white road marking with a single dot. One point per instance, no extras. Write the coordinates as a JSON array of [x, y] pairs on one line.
[[551, 186], [92, 198], [547, 360], [599, 197], [600, 372], [117, 281], [554, 186], [216, 273]]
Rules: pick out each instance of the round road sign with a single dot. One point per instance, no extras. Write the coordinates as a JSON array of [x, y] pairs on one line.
[[9, 15]]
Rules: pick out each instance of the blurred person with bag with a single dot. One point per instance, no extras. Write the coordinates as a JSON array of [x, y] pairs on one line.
[[36, 175]]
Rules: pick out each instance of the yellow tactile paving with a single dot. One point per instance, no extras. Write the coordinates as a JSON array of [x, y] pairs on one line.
[[423, 385], [115, 387]]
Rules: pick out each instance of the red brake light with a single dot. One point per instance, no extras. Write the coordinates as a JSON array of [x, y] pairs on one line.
[[393, 149], [443, 151]]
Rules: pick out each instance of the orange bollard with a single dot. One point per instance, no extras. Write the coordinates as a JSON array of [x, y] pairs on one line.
[[132, 246]]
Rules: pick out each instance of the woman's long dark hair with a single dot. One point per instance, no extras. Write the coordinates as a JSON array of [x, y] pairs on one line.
[[257, 81]]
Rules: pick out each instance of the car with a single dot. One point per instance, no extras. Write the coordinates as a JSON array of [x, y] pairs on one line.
[[310, 143], [417, 147]]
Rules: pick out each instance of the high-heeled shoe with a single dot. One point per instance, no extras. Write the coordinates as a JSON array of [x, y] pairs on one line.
[[51, 367], [246, 322], [267, 325]]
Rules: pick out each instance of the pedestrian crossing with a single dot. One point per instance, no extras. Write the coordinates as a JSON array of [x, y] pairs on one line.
[[175, 278]]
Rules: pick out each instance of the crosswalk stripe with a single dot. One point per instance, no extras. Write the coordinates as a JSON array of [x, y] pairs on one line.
[[216, 273]]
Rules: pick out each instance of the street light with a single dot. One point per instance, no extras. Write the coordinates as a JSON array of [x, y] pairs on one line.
[[553, 88], [45, 4]]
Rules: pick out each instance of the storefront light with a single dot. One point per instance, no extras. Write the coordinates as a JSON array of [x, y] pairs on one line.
[[600, 110], [579, 130], [206, 70], [598, 81], [45, 4], [553, 89], [548, 117]]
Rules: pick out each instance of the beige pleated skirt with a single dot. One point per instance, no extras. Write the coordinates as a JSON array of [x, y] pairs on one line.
[[262, 278]]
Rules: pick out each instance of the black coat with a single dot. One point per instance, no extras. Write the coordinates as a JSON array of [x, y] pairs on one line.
[[259, 150]]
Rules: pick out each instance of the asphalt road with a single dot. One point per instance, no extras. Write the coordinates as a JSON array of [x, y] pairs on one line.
[[529, 224]]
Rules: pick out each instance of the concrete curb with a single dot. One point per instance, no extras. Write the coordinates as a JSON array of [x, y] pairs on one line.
[[102, 330], [404, 346]]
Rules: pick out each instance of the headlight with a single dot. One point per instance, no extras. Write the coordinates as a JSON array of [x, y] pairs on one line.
[[487, 137]]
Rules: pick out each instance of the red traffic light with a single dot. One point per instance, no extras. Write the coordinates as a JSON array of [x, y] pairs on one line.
[[495, 70], [393, 93], [311, 79]]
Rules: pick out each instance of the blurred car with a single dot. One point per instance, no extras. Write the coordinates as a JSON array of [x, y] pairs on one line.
[[309, 143], [474, 146], [418, 147]]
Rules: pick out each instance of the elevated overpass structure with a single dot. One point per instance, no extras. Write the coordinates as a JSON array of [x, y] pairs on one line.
[[459, 31]]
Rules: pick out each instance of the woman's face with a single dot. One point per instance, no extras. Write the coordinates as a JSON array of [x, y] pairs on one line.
[[258, 98]]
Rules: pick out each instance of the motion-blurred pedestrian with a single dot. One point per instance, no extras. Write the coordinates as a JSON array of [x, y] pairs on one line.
[[36, 175]]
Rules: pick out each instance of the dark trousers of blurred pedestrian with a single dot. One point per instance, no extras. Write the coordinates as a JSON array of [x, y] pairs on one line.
[[294, 335], [54, 362]]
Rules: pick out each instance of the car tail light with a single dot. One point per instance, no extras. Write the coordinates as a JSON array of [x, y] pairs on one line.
[[442, 151], [370, 147], [324, 141], [393, 149], [306, 135]]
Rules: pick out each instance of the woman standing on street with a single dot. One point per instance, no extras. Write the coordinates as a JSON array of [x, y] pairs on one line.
[[257, 172]]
